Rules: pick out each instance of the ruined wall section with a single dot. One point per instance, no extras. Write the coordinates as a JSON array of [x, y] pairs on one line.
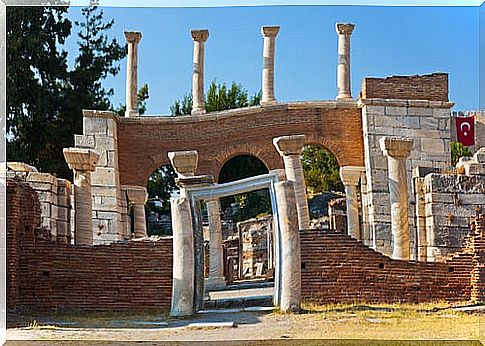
[[451, 202], [423, 116], [100, 132], [54, 195]]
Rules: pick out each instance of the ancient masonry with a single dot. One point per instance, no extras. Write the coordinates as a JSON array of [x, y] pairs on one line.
[[407, 211]]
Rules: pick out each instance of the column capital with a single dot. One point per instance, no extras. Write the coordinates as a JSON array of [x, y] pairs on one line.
[[136, 194], [344, 28], [81, 159], [270, 31], [395, 146], [289, 145], [133, 37], [200, 34], [184, 162], [350, 175]]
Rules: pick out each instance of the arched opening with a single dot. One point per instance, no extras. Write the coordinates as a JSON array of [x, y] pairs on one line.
[[160, 187], [324, 187]]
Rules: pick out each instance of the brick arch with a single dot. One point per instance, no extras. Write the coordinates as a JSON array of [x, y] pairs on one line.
[[233, 151], [144, 142]]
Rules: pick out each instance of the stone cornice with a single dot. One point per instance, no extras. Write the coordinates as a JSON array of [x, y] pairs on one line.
[[404, 103]]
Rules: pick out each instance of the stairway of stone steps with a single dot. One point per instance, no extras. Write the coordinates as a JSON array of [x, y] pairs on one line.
[[240, 297]]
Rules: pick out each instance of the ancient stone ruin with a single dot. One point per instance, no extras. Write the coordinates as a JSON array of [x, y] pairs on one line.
[[412, 229]]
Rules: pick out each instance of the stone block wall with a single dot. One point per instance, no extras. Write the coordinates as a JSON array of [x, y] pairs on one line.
[[54, 195], [425, 121], [110, 220], [449, 203]]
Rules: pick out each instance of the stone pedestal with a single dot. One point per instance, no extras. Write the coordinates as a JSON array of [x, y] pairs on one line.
[[137, 196], [83, 162], [184, 162], [397, 150], [269, 33], [216, 280], [183, 258], [290, 147], [350, 177], [343, 68], [199, 36], [133, 38], [290, 290]]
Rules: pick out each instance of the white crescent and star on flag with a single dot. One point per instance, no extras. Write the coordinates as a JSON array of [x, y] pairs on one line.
[[465, 124]]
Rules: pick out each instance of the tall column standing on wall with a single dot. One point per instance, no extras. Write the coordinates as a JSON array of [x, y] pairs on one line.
[[83, 162], [350, 176], [199, 36], [269, 33], [216, 280], [343, 68], [137, 196], [290, 148], [133, 38], [397, 150]]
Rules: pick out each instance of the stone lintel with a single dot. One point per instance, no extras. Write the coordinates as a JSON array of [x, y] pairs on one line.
[[396, 146], [135, 194], [289, 145], [421, 172], [81, 159], [280, 172], [350, 175], [20, 167], [404, 103], [200, 34], [270, 31], [133, 37], [344, 28], [184, 162], [39, 177]]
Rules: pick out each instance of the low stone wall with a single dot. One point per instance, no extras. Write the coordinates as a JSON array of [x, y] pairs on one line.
[[339, 269]]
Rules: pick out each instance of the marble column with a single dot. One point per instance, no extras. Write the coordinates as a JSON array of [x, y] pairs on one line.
[[290, 147], [183, 258], [137, 196], [397, 150], [133, 38], [350, 176], [83, 162], [216, 280], [343, 67], [199, 37], [290, 290], [269, 33]]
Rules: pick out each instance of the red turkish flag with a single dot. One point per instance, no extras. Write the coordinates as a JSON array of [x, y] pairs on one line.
[[465, 130]]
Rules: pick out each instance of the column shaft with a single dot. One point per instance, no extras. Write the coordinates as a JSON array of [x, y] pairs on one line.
[[269, 33], [139, 220], [294, 172], [399, 207], [183, 258], [290, 290], [216, 278], [83, 208], [199, 36], [343, 68], [133, 38], [352, 204]]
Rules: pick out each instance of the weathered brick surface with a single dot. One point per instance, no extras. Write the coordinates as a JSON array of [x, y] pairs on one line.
[[145, 142], [337, 268], [433, 87]]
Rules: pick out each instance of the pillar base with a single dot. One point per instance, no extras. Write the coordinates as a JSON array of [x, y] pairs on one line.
[[344, 98], [268, 103], [215, 283], [131, 113], [198, 112]]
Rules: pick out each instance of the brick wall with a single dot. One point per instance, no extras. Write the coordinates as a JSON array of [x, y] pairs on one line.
[[337, 269], [433, 87]]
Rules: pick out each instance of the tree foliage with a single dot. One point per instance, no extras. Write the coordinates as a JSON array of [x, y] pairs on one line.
[[45, 99], [141, 102], [321, 170], [458, 150]]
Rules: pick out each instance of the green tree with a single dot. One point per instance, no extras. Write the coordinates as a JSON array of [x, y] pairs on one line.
[[321, 170], [458, 150], [36, 68]]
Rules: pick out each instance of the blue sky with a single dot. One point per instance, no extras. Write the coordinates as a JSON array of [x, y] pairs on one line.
[[386, 41]]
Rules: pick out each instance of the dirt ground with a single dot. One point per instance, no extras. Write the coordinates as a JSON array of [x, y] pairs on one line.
[[337, 325]]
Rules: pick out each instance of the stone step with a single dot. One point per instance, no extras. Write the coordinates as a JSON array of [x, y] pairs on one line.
[[239, 303]]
